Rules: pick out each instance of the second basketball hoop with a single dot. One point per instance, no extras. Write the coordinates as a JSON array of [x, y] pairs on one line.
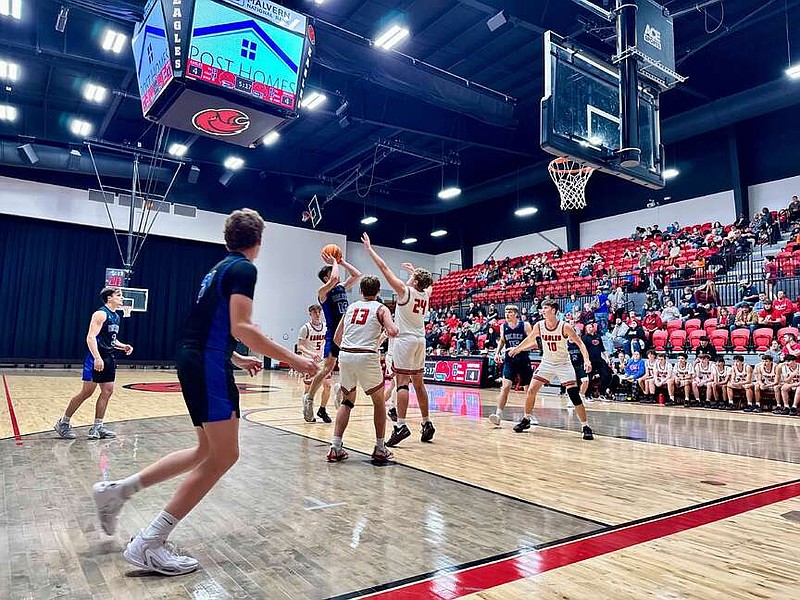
[[570, 177]]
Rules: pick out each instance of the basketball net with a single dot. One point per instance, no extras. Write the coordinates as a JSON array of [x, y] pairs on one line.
[[570, 177], [126, 310]]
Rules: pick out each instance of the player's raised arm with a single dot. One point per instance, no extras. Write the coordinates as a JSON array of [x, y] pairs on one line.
[[393, 280], [353, 274], [333, 278]]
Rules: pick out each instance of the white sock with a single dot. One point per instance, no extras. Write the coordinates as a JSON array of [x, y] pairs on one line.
[[584, 423], [161, 526], [65, 419], [131, 485], [529, 416], [499, 412], [379, 443], [98, 422], [425, 420], [401, 422], [336, 442]]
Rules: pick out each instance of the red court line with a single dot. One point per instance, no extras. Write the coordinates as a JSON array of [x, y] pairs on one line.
[[483, 577], [11, 414]]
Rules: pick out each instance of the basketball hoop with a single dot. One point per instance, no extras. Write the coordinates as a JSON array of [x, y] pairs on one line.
[[126, 309], [570, 177]]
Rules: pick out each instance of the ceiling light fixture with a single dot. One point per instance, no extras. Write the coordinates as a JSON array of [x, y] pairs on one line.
[[233, 163], [409, 240], [271, 138], [526, 211], [670, 173], [391, 37], [9, 71], [113, 41], [11, 8], [438, 233], [95, 93], [178, 150], [313, 100], [449, 193], [8, 113], [369, 220], [793, 72], [80, 128]]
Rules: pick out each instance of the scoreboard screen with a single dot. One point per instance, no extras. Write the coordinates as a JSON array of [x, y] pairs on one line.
[[255, 49], [151, 55], [466, 371]]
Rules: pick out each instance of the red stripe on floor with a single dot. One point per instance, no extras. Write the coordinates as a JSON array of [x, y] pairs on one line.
[[483, 577], [11, 414]]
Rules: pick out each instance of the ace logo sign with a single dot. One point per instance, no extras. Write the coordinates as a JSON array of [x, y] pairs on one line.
[[652, 36]]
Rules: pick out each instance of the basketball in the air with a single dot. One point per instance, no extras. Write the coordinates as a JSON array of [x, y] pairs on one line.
[[334, 251]]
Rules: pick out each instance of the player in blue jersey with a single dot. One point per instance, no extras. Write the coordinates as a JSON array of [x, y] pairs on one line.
[[99, 368], [512, 333], [220, 316], [332, 295]]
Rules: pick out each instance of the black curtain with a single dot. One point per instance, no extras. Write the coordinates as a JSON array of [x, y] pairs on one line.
[[51, 276]]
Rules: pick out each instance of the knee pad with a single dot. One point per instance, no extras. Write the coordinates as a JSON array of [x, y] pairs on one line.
[[348, 403], [402, 387], [574, 396]]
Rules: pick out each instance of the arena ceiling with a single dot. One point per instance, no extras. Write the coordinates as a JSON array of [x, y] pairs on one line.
[[726, 48]]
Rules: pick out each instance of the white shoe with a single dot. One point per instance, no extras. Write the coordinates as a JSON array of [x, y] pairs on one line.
[[495, 419], [337, 395], [308, 408], [153, 554], [109, 498], [100, 432], [64, 430]]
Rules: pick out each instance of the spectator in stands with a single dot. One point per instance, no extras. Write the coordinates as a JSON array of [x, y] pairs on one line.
[[775, 351], [747, 293], [670, 312], [770, 275], [746, 318], [783, 305], [601, 310], [759, 304], [706, 348], [585, 270], [725, 318], [790, 345], [635, 336], [558, 252], [703, 312], [769, 317], [619, 335], [688, 296], [492, 314], [672, 228], [465, 340], [651, 302], [572, 305], [492, 337], [686, 310], [667, 294], [616, 301], [794, 209], [634, 371], [651, 322], [707, 294]]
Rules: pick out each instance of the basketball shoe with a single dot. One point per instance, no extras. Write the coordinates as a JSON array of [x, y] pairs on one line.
[[495, 419], [155, 554], [64, 430], [308, 408], [100, 432], [587, 433], [399, 433], [427, 431], [382, 455], [523, 425], [392, 412], [336, 454], [323, 414]]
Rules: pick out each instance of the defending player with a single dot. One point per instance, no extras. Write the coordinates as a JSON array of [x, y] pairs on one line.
[[333, 297], [408, 352], [512, 333], [310, 343], [357, 335], [99, 368], [555, 363], [220, 316]]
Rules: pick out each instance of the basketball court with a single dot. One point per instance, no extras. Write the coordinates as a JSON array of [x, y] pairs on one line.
[[329, 117]]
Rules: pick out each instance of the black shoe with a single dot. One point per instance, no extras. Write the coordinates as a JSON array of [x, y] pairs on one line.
[[524, 424], [427, 431], [399, 433], [785, 411], [587, 433], [748, 408], [392, 414], [756, 409], [793, 411], [323, 414]]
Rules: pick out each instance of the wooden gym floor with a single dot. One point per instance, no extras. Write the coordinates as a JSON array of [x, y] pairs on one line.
[[664, 503]]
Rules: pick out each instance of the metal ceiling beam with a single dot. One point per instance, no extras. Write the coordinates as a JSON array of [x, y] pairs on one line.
[[115, 104], [48, 55]]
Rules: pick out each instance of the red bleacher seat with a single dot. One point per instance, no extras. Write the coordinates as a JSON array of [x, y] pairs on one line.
[[677, 339], [762, 338], [740, 338], [692, 325], [784, 330], [660, 339], [673, 324], [710, 325], [719, 339], [694, 338]]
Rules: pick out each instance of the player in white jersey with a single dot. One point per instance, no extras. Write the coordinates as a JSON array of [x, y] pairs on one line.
[[555, 363], [310, 342], [408, 354], [682, 375], [703, 379], [357, 337], [644, 381], [722, 377], [741, 379], [767, 381], [790, 384], [661, 378]]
